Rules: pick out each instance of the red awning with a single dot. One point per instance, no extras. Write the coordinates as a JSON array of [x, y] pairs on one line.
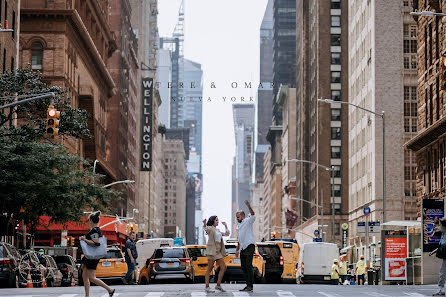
[[44, 225]]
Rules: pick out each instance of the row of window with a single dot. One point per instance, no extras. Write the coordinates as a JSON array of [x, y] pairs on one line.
[[4, 60], [166, 194], [174, 221]]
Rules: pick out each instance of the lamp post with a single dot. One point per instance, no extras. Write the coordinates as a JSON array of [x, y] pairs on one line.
[[321, 207], [382, 115], [127, 181], [332, 193], [427, 13]]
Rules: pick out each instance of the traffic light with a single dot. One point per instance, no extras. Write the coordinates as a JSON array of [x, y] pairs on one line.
[[52, 122], [68, 241], [132, 227], [443, 74], [72, 241]]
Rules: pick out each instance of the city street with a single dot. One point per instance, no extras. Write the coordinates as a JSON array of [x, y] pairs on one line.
[[182, 290]]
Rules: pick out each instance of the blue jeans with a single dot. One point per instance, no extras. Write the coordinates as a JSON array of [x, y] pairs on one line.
[[130, 268]]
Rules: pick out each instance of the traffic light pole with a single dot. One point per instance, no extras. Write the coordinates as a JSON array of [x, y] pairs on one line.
[[44, 96]]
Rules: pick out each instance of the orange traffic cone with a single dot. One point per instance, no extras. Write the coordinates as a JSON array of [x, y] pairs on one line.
[[29, 281], [43, 281], [73, 283]]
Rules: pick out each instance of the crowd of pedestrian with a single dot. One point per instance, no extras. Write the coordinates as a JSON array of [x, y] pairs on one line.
[[342, 274]]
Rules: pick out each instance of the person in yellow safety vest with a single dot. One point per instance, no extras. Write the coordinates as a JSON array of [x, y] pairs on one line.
[[335, 273], [360, 270], [343, 268]]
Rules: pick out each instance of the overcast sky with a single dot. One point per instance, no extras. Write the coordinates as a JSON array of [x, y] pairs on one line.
[[223, 36]]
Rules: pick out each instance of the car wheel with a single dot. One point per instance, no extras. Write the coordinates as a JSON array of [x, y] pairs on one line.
[[14, 282], [80, 281], [143, 280]]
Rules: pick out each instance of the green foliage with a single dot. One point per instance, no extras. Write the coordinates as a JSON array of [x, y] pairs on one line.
[[32, 116], [44, 179]]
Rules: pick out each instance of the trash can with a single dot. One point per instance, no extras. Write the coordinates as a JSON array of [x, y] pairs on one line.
[[370, 277]]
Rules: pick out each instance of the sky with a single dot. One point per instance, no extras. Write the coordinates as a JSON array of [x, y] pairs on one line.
[[224, 37]]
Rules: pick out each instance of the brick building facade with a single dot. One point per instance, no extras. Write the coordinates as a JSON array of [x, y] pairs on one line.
[[9, 13]]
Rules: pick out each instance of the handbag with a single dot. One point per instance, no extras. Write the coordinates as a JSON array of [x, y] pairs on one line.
[[95, 252]]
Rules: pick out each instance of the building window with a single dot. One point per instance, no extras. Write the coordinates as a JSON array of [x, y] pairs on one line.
[[336, 152], [336, 95], [336, 133], [337, 170], [335, 114], [336, 190], [36, 56], [12, 64], [410, 46], [336, 21], [335, 39], [335, 4], [336, 77], [337, 229], [336, 58], [4, 60], [406, 3]]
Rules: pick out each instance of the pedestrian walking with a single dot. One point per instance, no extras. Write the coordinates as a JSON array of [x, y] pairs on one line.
[[441, 253], [89, 265], [335, 273], [215, 251], [343, 266], [360, 271], [246, 245], [130, 259]]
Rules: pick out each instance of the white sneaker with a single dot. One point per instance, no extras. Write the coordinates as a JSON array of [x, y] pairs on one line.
[[219, 288], [209, 290]]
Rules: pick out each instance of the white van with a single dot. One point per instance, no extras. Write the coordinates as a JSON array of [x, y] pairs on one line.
[[316, 259], [146, 247]]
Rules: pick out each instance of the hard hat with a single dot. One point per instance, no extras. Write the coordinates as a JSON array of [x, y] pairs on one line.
[[362, 257], [335, 261], [41, 251]]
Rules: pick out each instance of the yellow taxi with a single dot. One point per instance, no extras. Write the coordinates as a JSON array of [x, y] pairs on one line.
[[199, 260], [113, 267], [233, 266], [290, 259]]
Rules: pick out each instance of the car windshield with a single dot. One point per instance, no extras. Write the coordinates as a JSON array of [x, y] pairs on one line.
[[230, 249], [3, 251], [62, 260], [113, 254], [197, 252], [272, 251], [170, 253]]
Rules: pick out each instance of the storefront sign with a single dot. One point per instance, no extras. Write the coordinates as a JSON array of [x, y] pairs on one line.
[[433, 211], [344, 238], [395, 250], [146, 124]]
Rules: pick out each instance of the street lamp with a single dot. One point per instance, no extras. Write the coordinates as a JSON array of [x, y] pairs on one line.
[[382, 115], [427, 13], [332, 193], [127, 181]]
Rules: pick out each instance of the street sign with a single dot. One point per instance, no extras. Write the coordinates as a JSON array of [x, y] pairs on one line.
[[316, 233], [366, 210], [374, 228], [344, 226], [317, 239]]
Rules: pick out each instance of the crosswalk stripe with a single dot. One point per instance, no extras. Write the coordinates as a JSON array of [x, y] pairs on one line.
[[154, 294], [197, 294], [285, 294], [240, 294], [107, 295], [376, 294], [328, 294], [68, 295], [414, 294]]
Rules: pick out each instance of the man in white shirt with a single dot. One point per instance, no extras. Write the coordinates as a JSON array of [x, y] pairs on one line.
[[246, 244]]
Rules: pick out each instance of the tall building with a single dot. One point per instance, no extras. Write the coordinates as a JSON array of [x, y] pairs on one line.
[[382, 77], [174, 188], [243, 116], [70, 42], [284, 50], [265, 91], [163, 78], [322, 129], [9, 42], [429, 109], [121, 111]]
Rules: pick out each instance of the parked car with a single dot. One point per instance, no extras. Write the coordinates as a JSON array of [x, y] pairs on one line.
[[9, 265], [54, 276], [172, 262], [316, 259], [234, 267], [67, 266], [113, 267]]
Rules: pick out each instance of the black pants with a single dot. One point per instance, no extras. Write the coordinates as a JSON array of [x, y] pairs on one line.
[[246, 256]]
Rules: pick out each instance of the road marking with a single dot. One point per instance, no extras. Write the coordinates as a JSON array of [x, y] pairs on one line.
[[197, 294], [240, 294], [154, 294], [285, 294], [414, 294], [328, 295], [68, 295], [108, 295], [376, 294]]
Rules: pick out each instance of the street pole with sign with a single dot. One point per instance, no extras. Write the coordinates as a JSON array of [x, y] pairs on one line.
[[367, 213]]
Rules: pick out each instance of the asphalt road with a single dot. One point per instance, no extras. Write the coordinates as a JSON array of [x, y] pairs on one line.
[[197, 290]]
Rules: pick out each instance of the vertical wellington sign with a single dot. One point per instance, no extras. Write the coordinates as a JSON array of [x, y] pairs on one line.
[[146, 124]]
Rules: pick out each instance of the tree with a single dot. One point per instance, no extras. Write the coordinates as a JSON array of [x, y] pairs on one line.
[[39, 179], [32, 116]]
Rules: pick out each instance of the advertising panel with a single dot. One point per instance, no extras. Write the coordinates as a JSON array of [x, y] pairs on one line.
[[146, 124], [433, 211], [198, 181], [395, 250]]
